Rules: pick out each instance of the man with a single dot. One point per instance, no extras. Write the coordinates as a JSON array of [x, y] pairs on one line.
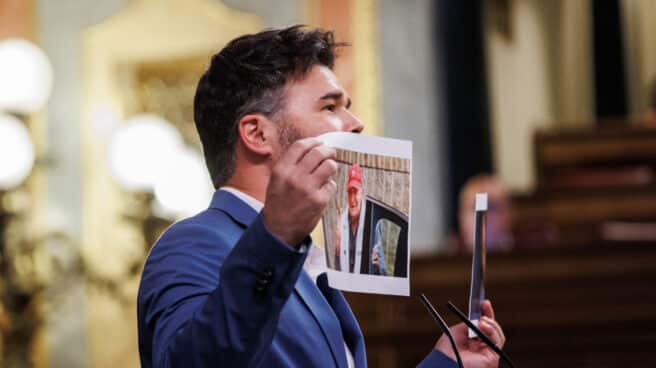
[[499, 229], [226, 288], [349, 233]]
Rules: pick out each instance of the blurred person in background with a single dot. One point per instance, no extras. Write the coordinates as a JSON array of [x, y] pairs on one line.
[[499, 229]]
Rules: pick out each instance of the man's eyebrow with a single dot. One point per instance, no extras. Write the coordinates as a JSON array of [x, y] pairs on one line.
[[337, 95]]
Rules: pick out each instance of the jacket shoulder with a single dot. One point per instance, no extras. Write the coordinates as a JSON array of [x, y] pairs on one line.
[[198, 243], [208, 226]]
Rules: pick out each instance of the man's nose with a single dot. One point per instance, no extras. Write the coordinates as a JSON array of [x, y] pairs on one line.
[[352, 123]]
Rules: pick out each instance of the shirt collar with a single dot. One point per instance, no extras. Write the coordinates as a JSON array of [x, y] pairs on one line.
[[252, 202]]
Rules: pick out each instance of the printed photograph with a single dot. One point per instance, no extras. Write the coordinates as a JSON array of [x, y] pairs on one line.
[[366, 223]]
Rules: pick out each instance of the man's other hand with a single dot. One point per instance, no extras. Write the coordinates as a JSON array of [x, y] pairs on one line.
[[474, 352], [375, 262], [299, 189]]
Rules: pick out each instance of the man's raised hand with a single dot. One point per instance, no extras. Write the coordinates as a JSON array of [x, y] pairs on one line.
[[299, 189]]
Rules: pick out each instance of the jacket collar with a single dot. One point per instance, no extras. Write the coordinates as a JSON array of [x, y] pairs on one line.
[[324, 315], [234, 207], [350, 328]]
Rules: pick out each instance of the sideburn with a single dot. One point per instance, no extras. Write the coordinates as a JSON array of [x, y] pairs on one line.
[[288, 134]]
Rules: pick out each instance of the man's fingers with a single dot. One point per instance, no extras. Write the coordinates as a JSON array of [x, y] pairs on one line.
[[326, 169], [488, 316], [493, 330], [499, 329], [298, 150], [328, 190], [315, 157], [488, 311]]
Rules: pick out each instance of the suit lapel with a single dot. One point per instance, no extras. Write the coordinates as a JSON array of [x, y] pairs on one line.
[[322, 312], [352, 333], [324, 315]]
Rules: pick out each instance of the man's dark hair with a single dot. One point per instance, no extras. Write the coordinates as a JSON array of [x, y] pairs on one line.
[[249, 76]]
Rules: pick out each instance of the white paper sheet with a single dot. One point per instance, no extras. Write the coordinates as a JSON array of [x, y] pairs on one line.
[[477, 287], [366, 225]]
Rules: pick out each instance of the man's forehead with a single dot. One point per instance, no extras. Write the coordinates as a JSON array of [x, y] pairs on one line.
[[320, 80], [353, 190], [330, 76]]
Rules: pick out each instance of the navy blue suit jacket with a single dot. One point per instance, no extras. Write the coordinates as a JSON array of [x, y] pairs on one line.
[[219, 290]]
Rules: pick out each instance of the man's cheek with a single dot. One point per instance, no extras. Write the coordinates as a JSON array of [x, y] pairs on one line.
[[329, 126]]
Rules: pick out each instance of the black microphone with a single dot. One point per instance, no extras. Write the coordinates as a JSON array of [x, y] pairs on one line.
[[438, 319]]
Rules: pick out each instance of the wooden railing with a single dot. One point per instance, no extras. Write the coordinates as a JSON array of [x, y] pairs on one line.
[[559, 307], [587, 179]]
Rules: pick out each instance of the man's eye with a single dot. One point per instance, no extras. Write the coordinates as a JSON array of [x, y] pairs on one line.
[[330, 107]]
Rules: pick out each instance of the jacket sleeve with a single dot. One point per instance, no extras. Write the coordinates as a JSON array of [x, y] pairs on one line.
[[196, 323], [437, 359]]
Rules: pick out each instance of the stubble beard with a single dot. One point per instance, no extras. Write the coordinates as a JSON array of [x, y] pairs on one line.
[[287, 134]]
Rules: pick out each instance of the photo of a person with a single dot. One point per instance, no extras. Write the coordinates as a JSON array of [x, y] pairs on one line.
[[378, 265], [366, 224], [349, 231]]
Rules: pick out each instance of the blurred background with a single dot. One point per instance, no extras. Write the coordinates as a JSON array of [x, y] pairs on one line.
[[547, 105]]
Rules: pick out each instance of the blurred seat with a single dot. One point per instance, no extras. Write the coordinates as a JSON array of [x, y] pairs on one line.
[[589, 178], [583, 308]]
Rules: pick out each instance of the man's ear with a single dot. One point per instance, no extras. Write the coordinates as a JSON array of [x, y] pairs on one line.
[[256, 134]]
